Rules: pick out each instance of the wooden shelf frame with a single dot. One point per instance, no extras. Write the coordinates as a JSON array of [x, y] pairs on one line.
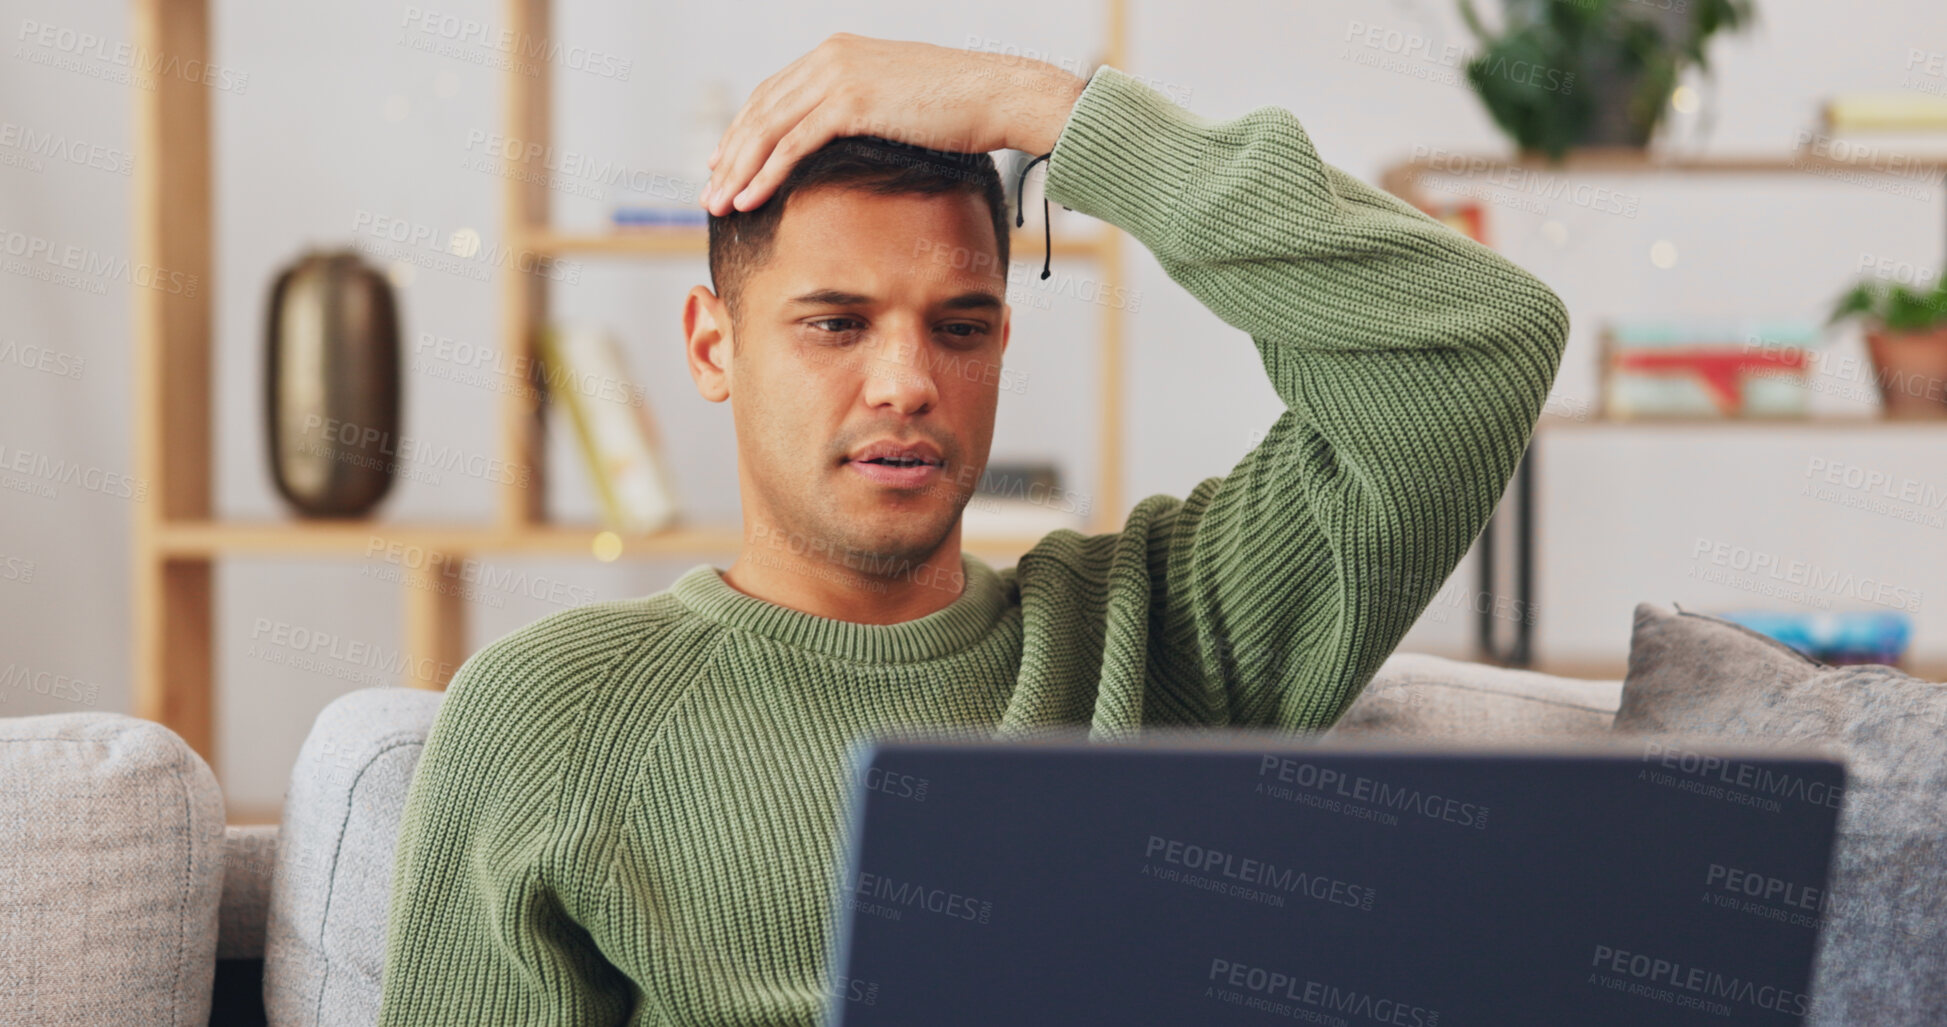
[[1399, 178], [177, 539], [171, 363], [1728, 424], [191, 540]]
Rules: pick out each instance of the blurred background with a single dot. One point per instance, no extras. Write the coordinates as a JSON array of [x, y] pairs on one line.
[[511, 195]]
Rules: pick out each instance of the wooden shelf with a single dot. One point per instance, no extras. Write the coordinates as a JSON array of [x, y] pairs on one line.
[[357, 538], [695, 241], [1727, 423], [1402, 177], [1625, 161], [247, 815], [354, 538]]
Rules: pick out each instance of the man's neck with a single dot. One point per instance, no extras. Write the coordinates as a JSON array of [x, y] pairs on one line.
[[865, 590]]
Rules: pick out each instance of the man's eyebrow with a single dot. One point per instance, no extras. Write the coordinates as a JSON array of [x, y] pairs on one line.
[[979, 299], [831, 298]]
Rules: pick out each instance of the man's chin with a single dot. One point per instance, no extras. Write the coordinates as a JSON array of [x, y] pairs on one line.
[[895, 534]]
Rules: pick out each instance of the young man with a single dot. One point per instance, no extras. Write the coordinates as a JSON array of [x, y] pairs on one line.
[[631, 812]]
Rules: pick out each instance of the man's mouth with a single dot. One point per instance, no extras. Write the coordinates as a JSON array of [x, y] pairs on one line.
[[908, 474], [897, 464]]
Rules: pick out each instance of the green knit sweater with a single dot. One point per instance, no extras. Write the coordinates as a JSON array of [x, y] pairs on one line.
[[631, 812]]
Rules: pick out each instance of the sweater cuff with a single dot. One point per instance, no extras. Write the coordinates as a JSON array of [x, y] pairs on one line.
[[1126, 155]]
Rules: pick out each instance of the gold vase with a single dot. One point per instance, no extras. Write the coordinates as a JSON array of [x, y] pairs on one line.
[[332, 385]]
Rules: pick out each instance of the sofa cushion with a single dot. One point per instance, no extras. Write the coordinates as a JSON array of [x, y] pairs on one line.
[[1414, 695], [324, 952], [1883, 950], [111, 866]]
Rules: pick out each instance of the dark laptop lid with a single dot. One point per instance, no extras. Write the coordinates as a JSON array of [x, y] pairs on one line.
[[1258, 878]]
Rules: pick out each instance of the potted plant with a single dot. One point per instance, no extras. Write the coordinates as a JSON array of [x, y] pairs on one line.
[[1560, 74], [1906, 336]]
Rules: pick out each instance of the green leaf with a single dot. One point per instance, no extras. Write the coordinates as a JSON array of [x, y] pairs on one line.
[[1896, 306], [1570, 37]]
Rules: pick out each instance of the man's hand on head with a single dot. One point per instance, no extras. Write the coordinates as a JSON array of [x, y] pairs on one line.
[[938, 97]]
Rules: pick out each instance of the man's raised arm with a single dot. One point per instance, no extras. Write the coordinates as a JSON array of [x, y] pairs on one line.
[[1413, 363]]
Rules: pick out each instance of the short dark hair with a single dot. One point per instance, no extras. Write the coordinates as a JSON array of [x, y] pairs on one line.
[[740, 242]]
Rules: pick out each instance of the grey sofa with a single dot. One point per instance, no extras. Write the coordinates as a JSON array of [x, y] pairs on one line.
[[110, 818], [124, 899]]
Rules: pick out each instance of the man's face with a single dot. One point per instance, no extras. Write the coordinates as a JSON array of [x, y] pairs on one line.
[[861, 332]]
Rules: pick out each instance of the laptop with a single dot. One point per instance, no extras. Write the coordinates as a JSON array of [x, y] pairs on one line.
[[1253, 878]]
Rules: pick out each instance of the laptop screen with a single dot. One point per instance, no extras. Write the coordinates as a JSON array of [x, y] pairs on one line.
[[1215, 884]]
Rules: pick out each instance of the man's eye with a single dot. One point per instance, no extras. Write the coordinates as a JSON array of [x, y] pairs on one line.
[[964, 329], [836, 325]]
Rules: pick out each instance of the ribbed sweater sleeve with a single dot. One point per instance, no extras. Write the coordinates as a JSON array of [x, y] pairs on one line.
[[1412, 362], [480, 928]]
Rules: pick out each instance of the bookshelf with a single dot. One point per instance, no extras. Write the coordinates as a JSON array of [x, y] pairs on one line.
[[178, 539], [1406, 178], [1403, 178]]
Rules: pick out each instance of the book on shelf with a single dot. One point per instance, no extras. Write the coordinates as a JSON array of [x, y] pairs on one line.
[[1900, 133], [666, 216], [1022, 499], [614, 430], [1886, 112], [1841, 638], [1678, 367]]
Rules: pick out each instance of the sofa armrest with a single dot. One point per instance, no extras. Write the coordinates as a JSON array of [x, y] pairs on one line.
[[1415, 695], [111, 864], [325, 940]]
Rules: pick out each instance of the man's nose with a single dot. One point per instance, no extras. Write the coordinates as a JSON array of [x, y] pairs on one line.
[[899, 373]]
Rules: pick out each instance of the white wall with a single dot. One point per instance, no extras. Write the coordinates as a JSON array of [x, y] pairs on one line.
[[341, 114]]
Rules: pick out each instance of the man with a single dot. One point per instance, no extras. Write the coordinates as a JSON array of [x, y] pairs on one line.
[[631, 812]]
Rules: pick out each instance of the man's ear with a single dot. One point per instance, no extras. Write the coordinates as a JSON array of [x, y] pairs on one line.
[[707, 334]]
